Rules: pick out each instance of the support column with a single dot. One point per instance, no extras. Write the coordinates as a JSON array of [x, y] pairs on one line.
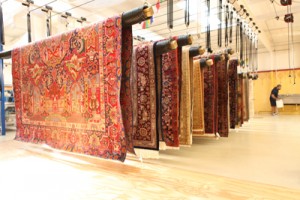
[[3, 127]]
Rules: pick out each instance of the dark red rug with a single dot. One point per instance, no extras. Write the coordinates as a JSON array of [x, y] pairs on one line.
[[126, 93], [240, 101], [232, 80], [223, 127], [170, 98], [210, 98], [144, 97]]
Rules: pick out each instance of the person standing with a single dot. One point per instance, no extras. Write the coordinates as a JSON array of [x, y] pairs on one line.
[[273, 98]]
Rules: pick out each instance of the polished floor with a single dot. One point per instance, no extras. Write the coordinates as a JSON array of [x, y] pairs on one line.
[[264, 150], [258, 161]]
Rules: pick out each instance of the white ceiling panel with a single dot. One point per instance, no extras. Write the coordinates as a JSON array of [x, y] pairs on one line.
[[274, 32]]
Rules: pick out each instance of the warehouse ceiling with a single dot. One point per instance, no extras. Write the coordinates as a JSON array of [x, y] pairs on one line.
[[274, 32]]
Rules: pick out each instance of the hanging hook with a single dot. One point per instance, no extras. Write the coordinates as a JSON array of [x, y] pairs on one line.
[[170, 33], [187, 31], [67, 23]]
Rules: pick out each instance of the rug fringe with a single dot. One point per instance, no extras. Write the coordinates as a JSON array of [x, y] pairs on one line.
[[146, 153], [162, 145], [173, 148], [184, 145]]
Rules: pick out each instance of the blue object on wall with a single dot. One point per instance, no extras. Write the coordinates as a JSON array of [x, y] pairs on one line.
[[3, 128]]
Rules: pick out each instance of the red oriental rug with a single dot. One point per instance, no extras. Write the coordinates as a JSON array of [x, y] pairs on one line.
[[170, 98], [126, 93], [210, 98], [232, 80], [179, 56], [67, 91], [217, 64], [223, 127], [240, 106], [159, 86], [144, 97]]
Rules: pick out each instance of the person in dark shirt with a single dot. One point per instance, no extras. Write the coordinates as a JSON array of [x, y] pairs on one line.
[[273, 98]]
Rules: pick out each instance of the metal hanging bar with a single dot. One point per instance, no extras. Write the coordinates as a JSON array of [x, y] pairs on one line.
[[165, 46], [77, 6], [195, 51], [42, 6], [137, 15], [206, 62], [45, 9], [129, 18], [220, 14], [170, 14], [183, 40]]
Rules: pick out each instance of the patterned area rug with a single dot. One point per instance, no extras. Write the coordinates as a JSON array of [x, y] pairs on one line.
[[246, 99], [159, 88], [170, 98], [210, 98], [179, 55], [240, 106], [126, 93], [67, 91], [185, 135], [232, 79], [198, 105], [144, 97], [216, 83], [223, 127]]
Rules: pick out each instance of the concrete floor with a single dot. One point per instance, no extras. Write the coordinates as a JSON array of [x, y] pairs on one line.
[[266, 150], [258, 161]]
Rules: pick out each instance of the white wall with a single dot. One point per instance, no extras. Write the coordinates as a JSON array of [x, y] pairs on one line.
[[277, 60], [7, 74]]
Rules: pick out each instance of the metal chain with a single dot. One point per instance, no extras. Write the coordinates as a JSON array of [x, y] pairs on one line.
[[220, 24], [226, 25]]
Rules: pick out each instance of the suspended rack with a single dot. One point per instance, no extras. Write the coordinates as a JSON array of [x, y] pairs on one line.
[[129, 18]]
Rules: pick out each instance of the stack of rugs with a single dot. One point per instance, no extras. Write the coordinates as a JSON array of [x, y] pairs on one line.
[[91, 91]]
